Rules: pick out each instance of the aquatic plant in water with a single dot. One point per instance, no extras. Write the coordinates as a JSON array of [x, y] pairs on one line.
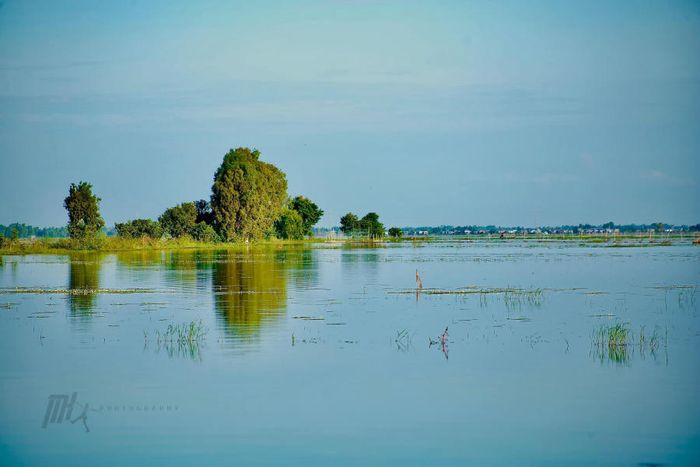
[[617, 342], [184, 339]]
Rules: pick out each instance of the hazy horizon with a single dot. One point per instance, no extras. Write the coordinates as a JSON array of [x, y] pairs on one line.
[[429, 114]]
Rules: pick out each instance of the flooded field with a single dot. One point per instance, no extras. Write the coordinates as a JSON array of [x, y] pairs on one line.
[[511, 352]]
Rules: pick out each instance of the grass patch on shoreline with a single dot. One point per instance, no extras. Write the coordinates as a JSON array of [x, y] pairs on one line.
[[114, 244], [53, 246]]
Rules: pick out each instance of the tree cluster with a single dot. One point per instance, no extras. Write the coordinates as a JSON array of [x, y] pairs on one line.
[[368, 226], [248, 201]]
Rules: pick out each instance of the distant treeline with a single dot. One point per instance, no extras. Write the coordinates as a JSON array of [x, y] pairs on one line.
[[561, 229], [27, 231], [608, 227]]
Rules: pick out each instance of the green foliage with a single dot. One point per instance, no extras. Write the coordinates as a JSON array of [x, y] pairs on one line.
[[370, 224], [84, 219], [395, 232], [138, 228], [247, 196], [290, 225], [204, 213], [3, 241], [308, 210], [14, 235], [179, 220], [349, 223], [204, 232]]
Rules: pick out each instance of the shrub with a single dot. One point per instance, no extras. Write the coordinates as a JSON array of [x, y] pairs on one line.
[[138, 228], [290, 225], [204, 233]]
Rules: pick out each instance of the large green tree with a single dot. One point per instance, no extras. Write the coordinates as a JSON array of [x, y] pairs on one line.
[[247, 196], [308, 210], [84, 219]]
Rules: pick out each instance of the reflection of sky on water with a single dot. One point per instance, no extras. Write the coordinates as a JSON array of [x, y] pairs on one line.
[[306, 340]]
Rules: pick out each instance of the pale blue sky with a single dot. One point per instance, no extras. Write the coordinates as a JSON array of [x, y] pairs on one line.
[[510, 113]]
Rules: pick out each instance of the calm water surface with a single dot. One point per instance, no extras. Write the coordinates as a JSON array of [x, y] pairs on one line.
[[322, 356]]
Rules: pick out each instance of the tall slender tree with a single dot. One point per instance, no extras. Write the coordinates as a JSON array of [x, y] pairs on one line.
[[84, 219]]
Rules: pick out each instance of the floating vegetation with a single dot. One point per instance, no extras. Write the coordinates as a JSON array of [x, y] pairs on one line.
[[8, 305], [472, 290], [516, 298], [617, 343], [672, 287], [77, 291], [309, 318]]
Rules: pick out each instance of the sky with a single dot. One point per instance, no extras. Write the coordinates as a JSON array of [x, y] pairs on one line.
[[428, 113]]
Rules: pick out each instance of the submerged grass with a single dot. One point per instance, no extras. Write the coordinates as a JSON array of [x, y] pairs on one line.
[[611, 342], [617, 343], [185, 332], [180, 340]]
